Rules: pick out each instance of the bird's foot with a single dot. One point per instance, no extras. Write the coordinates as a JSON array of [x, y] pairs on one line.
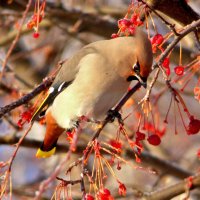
[[112, 114], [75, 124]]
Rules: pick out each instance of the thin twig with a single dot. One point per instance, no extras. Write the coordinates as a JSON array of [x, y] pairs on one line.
[[26, 98], [45, 184], [146, 97], [18, 145], [70, 182], [10, 162], [186, 30], [109, 117], [183, 33], [152, 160], [172, 26], [174, 190], [16, 39]]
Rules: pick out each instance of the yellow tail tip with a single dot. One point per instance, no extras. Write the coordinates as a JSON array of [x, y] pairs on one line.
[[45, 154]]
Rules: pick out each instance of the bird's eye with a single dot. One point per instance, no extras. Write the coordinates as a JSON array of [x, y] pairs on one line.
[[136, 68]]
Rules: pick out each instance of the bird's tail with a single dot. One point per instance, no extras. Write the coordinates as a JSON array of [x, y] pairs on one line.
[[43, 152], [53, 132]]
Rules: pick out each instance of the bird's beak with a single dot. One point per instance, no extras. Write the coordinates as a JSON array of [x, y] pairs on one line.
[[142, 80]]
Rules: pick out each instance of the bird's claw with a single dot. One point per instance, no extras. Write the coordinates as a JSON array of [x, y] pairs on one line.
[[112, 114]]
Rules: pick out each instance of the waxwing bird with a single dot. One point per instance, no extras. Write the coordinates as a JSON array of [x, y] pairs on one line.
[[92, 82]]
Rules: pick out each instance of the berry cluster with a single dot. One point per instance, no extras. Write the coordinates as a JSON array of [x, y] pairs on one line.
[[25, 117], [130, 22], [33, 24], [37, 17]]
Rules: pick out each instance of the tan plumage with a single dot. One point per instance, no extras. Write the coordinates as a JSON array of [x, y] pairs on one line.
[[93, 81]]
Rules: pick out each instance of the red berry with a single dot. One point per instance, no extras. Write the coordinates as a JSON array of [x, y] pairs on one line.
[[104, 194], [131, 30], [114, 35], [154, 140], [20, 123], [179, 70], [157, 39], [140, 136], [36, 35], [116, 144], [168, 71], [106, 191], [89, 197], [70, 136], [198, 153], [124, 22], [194, 126], [165, 63], [135, 19], [35, 18]]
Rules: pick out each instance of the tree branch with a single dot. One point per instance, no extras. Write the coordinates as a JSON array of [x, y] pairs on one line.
[[179, 10], [174, 190], [26, 98], [147, 158]]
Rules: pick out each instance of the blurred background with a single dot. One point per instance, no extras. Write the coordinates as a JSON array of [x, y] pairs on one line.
[[68, 25]]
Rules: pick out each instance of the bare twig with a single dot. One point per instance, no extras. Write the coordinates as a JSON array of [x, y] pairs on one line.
[[25, 99], [45, 184], [146, 97], [179, 10], [109, 117], [20, 79], [10, 162], [147, 158], [186, 30], [172, 26], [183, 33], [174, 190], [12, 34], [70, 182], [18, 145], [16, 38]]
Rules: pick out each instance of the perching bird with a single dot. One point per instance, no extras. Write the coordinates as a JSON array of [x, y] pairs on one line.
[[92, 82]]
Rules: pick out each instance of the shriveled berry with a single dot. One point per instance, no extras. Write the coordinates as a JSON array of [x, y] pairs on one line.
[[197, 93], [122, 189], [179, 70], [154, 140], [36, 17], [194, 126], [30, 24], [140, 135]]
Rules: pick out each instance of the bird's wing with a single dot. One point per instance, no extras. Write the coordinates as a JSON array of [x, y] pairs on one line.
[[52, 93], [63, 79]]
